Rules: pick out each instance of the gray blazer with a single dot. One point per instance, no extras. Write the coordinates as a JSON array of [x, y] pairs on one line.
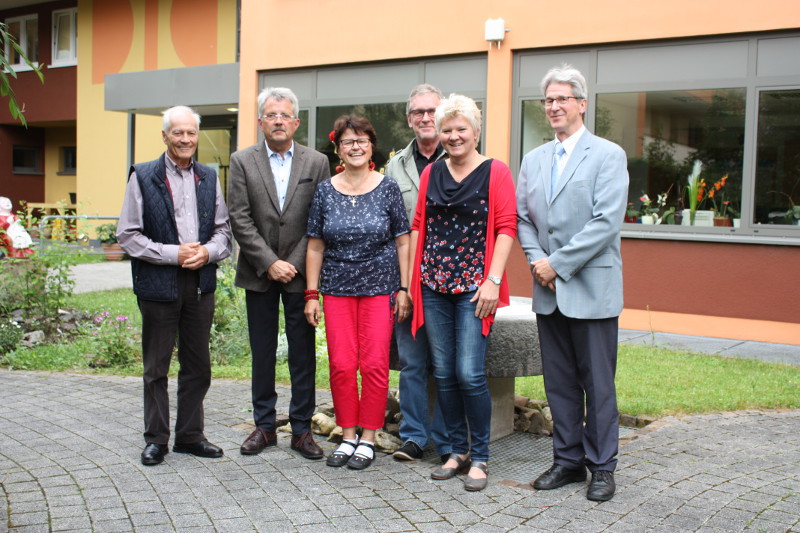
[[264, 232], [578, 229]]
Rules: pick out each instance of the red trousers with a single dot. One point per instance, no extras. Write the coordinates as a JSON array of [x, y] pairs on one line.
[[359, 330]]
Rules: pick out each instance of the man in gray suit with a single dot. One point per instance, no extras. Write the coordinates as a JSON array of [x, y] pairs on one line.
[[571, 198], [271, 188]]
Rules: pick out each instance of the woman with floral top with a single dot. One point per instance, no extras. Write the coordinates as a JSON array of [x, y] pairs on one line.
[[357, 258], [462, 233]]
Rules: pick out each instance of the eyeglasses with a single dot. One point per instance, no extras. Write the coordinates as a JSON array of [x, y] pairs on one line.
[[275, 116], [347, 143], [419, 113], [561, 100]]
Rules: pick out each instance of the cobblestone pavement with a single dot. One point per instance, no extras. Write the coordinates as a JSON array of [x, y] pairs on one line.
[[69, 461]]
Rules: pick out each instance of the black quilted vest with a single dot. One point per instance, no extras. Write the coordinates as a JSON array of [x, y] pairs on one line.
[[160, 282]]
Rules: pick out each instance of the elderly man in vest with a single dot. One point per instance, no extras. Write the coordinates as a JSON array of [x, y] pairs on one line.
[[174, 225]]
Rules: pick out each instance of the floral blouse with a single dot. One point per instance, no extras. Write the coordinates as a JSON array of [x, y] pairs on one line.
[[360, 256], [453, 257]]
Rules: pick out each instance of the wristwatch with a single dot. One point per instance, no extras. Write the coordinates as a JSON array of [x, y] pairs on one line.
[[497, 280]]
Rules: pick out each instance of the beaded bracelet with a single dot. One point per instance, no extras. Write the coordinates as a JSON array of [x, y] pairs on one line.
[[311, 294]]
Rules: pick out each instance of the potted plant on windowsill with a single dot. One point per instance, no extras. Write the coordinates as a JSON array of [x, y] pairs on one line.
[[631, 214], [698, 192], [107, 235]]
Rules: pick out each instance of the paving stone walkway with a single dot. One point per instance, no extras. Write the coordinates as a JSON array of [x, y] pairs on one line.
[[69, 461]]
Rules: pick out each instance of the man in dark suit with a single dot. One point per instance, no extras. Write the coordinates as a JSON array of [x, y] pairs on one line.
[[271, 187], [174, 225], [571, 198]]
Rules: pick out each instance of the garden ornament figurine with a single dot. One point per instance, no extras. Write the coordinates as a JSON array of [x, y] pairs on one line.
[[14, 239]]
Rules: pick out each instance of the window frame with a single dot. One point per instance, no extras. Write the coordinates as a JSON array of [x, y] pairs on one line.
[[384, 82], [23, 42], [73, 59], [35, 170], [586, 59], [65, 153]]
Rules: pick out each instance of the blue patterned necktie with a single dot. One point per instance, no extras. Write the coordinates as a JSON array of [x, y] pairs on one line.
[[554, 173]]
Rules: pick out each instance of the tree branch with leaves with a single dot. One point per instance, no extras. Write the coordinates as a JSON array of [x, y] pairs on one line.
[[7, 42]]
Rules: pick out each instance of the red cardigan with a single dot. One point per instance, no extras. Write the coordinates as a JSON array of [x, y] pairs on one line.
[[502, 218]]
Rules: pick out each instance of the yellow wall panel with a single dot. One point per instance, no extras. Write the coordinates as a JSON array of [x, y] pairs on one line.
[[57, 188]]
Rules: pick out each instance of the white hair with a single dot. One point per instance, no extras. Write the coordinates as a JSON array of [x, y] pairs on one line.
[[278, 93], [167, 119], [566, 73]]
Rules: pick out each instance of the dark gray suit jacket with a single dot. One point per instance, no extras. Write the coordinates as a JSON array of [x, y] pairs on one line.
[[264, 232]]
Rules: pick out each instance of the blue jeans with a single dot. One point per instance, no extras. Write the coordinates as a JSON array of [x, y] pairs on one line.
[[459, 348], [415, 362]]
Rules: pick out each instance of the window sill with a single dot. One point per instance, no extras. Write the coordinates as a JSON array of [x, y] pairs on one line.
[[60, 64], [24, 172], [67, 173], [776, 235], [23, 67]]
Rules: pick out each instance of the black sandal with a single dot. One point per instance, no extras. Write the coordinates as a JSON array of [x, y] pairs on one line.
[[339, 457], [447, 473], [359, 461], [473, 484]]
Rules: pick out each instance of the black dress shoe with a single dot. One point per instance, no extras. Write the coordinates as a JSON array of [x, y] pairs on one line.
[[305, 444], [257, 441], [200, 449], [153, 453], [602, 486], [558, 476]]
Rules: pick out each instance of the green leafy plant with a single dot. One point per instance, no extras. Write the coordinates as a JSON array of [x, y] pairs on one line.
[[7, 42], [107, 233], [38, 285], [631, 213], [10, 335], [115, 340]]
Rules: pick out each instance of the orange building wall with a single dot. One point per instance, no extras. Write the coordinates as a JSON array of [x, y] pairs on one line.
[[692, 288]]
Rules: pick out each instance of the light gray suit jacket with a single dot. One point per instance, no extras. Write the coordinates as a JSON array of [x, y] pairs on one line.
[[266, 233], [578, 229]]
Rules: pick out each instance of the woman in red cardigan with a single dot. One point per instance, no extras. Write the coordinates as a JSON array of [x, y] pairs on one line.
[[463, 230]]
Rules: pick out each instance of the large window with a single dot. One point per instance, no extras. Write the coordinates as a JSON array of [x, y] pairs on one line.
[[664, 133], [729, 107], [25, 31], [388, 120], [377, 91], [778, 158], [65, 37]]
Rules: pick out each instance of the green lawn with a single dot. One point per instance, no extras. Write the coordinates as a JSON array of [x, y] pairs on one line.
[[651, 380]]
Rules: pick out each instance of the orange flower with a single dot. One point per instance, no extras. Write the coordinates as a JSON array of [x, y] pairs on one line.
[[711, 193]]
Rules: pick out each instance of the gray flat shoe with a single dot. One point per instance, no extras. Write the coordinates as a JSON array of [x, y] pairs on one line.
[[447, 473], [471, 484]]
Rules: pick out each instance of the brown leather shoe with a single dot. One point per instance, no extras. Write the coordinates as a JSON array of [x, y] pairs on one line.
[[305, 444], [257, 441]]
